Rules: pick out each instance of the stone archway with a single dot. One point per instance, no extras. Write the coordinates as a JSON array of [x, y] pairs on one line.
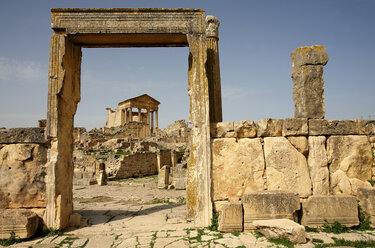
[[77, 28]]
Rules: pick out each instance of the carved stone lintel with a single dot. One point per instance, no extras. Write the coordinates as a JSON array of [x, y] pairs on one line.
[[212, 26]]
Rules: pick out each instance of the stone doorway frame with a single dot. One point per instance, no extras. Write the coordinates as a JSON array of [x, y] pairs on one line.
[[77, 28]]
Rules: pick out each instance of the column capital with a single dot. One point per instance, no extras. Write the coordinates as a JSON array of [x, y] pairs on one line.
[[212, 27]]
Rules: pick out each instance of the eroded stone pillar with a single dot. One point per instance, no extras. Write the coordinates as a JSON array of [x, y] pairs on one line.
[[213, 68], [139, 115], [131, 114], [63, 97], [307, 75], [156, 119], [152, 121], [126, 115]]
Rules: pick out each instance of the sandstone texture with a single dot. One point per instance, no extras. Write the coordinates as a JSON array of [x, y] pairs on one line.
[[238, 166], [22, 173], [308, 87], [341, 127], [245, 129], [269, 205], [281, 228], [318, 210], [240, 129], [22, 222], [352, 154], [318, 165], [300, 143], [340, 183], [163, 177], [295, 127], [231, 218], [269, 127], [286, 168], [366, 197], [22, 135]]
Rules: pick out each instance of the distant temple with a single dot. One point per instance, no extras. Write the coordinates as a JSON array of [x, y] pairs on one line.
[[146, 107]]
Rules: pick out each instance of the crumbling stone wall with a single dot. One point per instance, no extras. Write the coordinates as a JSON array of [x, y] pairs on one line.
[[139, 164]]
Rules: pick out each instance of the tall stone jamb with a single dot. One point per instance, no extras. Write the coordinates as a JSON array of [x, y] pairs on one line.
[[307, 75], [213, 68]]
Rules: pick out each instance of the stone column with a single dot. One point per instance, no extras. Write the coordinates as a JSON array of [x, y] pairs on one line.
[[156, 120], [139, 115], [126, 115], [308, 87], [131, 114], [152, 122], [213, 69], [148, 116]]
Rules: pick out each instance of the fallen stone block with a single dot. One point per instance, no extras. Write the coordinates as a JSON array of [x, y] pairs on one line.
[[269, 127], [267, 205], [366, 197], [295, 127], [20, 221], [281, 228], [319, 210], [230, 218], [179, 183]]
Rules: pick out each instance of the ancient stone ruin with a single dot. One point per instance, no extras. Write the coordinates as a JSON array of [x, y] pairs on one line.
[[304, 169], [124, 115]]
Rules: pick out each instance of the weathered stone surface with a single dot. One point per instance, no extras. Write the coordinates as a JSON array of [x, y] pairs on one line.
[[163, 177], [269, 127], [20, 221], [340, 183], [318, 210], [300, 143], [295, 127], [341, 127], [281, 228], [269, 205], [222, 130], [351, 154], [286, 168], [22, 173], [317, 162], [356, 184], [238, 166], [366, 197], [230, 218], [245, 129], [22, 135], [314, 55], [218, 205]]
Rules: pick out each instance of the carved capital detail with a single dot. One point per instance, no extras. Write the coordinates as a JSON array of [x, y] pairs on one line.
[[212, 26]]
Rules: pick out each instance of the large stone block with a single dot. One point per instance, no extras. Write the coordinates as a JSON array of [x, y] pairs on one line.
[[222, 130], [300, 143], [269, 205], [231, 217], [366, 197], [341, 127], [281, 228], [163, 177], [318, 210], [318, 165], [286, 168], [22, 173], [22, 135], [269, 127], [352, 154], [22, 222], [314, 55], [340, 183], [295, 127], [238, 166], [245, 129]]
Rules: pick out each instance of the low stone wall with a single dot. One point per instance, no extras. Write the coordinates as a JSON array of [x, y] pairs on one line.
[[23, 157], [138, 164], [308, 157]]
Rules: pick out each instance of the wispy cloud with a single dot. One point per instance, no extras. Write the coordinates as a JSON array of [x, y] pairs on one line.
[[12, 70]]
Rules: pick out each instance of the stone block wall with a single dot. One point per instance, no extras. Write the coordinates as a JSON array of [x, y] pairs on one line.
[[304, 156], [23, 157], [138, 164]]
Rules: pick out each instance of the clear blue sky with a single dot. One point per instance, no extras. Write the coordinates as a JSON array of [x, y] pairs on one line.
[[256, 38]]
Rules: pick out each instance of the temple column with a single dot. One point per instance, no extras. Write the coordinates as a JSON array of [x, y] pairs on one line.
[[213, 69], [156, 119], [152, 121], [126, 115], [131, 114], [139, 115], [148, 116]]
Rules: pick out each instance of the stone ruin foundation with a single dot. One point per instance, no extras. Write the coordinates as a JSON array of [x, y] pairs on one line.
[[304, 169]]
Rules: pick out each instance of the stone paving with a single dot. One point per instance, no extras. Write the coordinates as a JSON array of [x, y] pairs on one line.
[[114, 222]]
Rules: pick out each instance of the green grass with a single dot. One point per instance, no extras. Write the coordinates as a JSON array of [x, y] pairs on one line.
[[257, 234], [372, 182], [236, 233], [214, 222], [341, 242], [336, 228], [284, 241], [10, 241], [311, 229], [364, 221]]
